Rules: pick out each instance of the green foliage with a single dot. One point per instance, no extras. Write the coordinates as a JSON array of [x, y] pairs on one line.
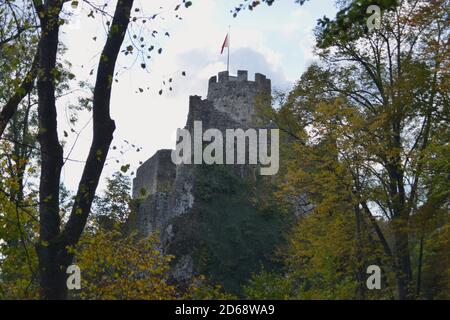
[[231, 238], [328, 260], [350, 22], [436, 282], [200, 289], [117, 267], [268, 286], [367, 137], [18, 228], [215, 180], [115, 205]]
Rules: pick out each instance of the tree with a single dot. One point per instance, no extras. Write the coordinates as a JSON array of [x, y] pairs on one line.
[[18, 229], [31, 28], [378, 101], [19, 146], [117, 267], [119, 264], [266, 286], [18, 36], [121, 267], [116, 205], [54, 241]]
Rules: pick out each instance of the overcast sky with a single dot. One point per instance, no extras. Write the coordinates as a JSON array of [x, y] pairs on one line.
[[276, 41]]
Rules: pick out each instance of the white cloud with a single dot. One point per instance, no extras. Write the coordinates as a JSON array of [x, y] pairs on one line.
[[149, 119]]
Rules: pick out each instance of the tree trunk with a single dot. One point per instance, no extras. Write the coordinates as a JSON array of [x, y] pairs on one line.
[[402, 258], [52, 248], [359, 256], [52, 276], [103, 125], [419, 267], [51, 272]]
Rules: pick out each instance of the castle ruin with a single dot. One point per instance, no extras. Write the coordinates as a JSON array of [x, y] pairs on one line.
[[204, 214]]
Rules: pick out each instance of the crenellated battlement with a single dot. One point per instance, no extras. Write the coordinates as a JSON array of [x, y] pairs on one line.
[[235, 95], [242, 75]]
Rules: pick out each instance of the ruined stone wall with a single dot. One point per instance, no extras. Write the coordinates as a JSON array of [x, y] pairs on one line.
[[155, 174]]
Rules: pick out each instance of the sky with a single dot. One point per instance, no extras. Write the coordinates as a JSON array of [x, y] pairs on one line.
[[276, 41]]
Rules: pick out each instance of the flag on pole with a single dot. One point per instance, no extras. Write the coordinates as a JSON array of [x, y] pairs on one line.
[[225, 44]]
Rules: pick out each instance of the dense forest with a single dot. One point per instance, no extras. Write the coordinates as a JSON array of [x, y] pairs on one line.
[[364, 135]]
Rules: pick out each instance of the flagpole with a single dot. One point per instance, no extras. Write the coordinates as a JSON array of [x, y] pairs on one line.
[[228, 58]]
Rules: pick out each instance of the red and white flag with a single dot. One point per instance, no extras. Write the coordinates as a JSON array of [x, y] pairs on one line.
[[226, 44]]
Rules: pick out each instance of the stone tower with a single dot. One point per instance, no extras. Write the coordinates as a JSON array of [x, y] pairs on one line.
[[235, 96]]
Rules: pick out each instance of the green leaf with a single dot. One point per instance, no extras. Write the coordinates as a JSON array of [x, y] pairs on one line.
[[125, 168]]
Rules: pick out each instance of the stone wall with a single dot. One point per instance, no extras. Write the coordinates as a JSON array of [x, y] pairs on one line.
[[154, 175]]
